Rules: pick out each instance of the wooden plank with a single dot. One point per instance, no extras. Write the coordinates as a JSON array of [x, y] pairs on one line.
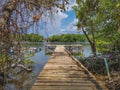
[[60, 67], [60, 73], [64, 84], [64, 78], [63, 81], [62, 88]]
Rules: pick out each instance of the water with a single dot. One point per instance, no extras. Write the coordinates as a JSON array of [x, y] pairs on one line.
[[40, 59], [87, 50], [26, 80]]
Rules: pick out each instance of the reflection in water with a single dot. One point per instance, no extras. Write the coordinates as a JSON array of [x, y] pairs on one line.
[[16, 79], [87, 50], [40, 60], [21, 80]]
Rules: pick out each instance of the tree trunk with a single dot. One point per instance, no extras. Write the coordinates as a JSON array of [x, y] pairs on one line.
[[93, 50], [93, 39], [92, 43]]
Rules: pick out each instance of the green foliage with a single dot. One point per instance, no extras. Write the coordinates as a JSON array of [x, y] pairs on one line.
[[108, 31], [28, 62], [67, 38], [108, 44], [101, 20], [3, 59], [103, 46], [32, 37], [86, 12]]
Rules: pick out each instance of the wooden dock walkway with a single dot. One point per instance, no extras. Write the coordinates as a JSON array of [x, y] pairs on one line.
[[62, 72], [66, 45], [73, 48]]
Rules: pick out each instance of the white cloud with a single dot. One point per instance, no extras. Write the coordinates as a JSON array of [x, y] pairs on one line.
[[72, 25], [53, 21], [57, 19], [71, 28]]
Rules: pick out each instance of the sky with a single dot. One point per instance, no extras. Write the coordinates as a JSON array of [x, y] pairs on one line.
[[59, 23]]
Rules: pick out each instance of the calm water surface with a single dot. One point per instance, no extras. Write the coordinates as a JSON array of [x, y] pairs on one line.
[[40, 60]]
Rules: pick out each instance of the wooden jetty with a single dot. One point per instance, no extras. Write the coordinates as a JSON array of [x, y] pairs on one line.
[[64, 72], [73, 48]]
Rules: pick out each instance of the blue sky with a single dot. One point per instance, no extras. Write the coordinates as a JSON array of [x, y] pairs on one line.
[[59, 23], [69, 19]]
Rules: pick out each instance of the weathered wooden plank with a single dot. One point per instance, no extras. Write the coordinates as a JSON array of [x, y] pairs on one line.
[[62, 88], [62, 70], [63, 78], [63, 81], [60, 73], [60, 67], [64, 84], [67, 66], [57, 65]]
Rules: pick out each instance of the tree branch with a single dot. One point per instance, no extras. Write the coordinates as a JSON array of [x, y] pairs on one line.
[[87, 36], [17, 64], [24, 67]]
